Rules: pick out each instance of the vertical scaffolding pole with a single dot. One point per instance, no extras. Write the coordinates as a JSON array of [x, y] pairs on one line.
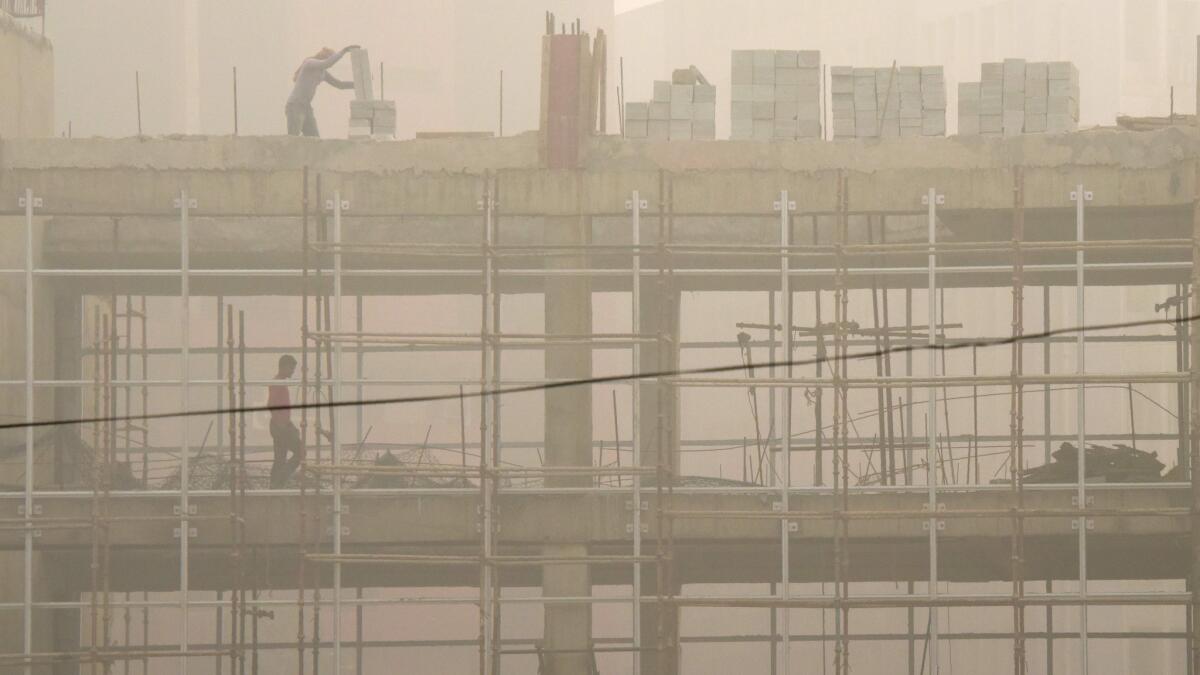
[[1194, 414], [485, 448], [1079, 196], [27, 610], [785, 207], [184, 204], [336, 440], [1016, 424], [635, 207], [931, 201]]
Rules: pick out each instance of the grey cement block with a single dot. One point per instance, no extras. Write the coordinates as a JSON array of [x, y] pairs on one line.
[[704, 130], [808, 129], [659, 110], [934, 125], [763, 93], [910, 132], [786, 110], [360, 65], [1058, 123], [991, 124], [843, 128], [968, 125], [681, 110], [742, 130], [764, 75], [1036, 106], [741, 92], [810, 58], [681, 93], [1013, 122], [637, 128], [787, 92], [764, 58], [808, 113], [764, 110], [681, 130], [841, 71], [810, 77], [662, 90], [1062, 88], [1062, 70], [742, 58], [787, 76], [991, 72], [637, 110], [704, 93], [741, 110], [1035, 124], [764, 130], [786, 58], [842, 103], [841, 85], [659, 130], [704, 112]]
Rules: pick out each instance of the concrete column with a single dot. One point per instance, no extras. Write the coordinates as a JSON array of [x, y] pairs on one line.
[[659, 422], [568, 422]]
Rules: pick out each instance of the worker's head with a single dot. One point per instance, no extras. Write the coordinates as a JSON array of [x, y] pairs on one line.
[[287, 365], [325, 53]]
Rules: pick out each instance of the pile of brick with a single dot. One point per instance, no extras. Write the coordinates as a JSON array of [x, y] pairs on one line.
[[683, 109], [369, 117], [1016, 97], [888, 102], [776, 95]]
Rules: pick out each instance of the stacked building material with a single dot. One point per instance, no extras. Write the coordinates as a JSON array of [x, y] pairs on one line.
[[1016, 97], [369, 117], [776, 95], [683, 109], [871, 102]]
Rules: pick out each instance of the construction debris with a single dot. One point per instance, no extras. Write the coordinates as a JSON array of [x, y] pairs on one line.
[[776, 95], [1103, 464], [888, 102]]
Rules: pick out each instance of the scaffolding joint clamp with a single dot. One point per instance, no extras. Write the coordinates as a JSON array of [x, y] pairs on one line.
[[1091, 523], [1089, 501], [37, 509], [345, 205], [192, 203], [778, 205], [642, 205], [192, 533], [643, 506], [629, 528], [37, 202], [175, 508], [939, 200]]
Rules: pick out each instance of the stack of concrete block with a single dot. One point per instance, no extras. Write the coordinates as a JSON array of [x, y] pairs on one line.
[[682, 109], [776, 95], [1019, 97], [873, 102], [369, 117]]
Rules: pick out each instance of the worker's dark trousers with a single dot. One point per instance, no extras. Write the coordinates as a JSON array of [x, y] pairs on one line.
[[286, 438], [301, 120]]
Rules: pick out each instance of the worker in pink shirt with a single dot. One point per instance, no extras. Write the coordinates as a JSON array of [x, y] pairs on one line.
[[284, 435]]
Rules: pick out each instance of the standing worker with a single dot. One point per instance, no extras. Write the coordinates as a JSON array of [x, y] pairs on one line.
[[284, 435], [314, 71]]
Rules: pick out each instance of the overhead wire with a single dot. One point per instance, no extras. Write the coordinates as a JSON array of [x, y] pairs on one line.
[[607, 379]]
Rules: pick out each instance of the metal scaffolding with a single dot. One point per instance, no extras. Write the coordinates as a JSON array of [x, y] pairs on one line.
[[836, 267]]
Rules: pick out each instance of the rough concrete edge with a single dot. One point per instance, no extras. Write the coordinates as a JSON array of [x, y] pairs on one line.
[[1094, 147]]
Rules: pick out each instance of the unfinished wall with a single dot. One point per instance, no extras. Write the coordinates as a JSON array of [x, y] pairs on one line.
[[26, 82]]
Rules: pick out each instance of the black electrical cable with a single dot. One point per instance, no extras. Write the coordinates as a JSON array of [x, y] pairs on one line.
[[548, 386]]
